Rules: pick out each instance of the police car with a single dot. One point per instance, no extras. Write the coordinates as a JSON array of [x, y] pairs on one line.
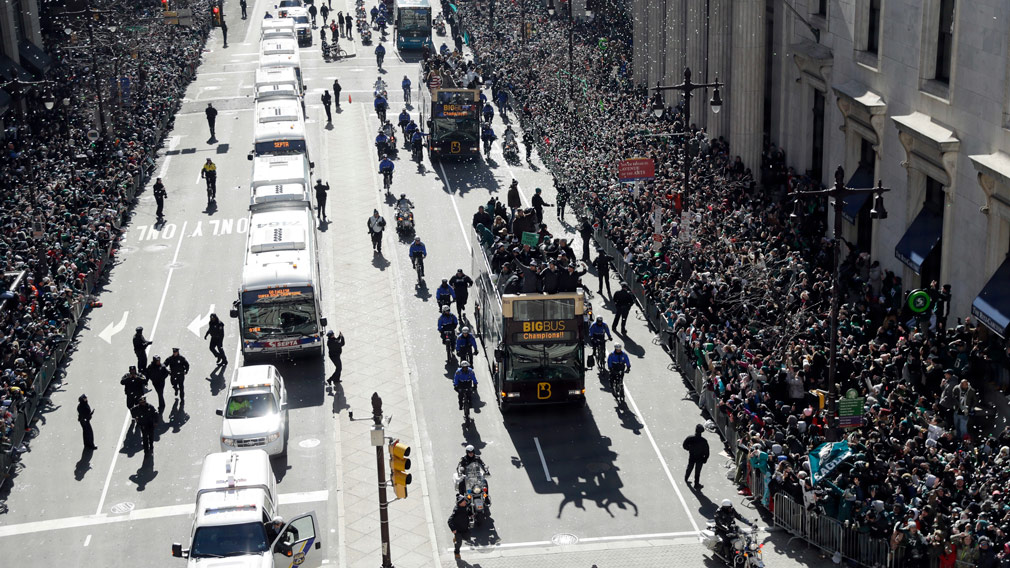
[[256, 413]]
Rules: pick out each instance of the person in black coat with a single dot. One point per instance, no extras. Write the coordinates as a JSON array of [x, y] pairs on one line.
[[586, 232], [550, 278], [623, 300], [697, 455], [334, 347], [571, 279], [461, 283], [178, 368], [459, 523], [481, 217], [157, 373], [140, 345], [602, 264], [215, 329], [539, 204], [133, 385], [147, 419], [84, 415]]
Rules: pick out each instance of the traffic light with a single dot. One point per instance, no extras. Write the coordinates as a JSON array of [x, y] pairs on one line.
[[398, 466]]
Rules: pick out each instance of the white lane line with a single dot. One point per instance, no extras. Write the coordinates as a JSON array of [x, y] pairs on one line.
[[543, 461], [662, 461], [452, 199], [173, 141], [154, 330], [140, 515], [624, 537]]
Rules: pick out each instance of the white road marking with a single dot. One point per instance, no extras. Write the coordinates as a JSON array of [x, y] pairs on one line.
[[662, 461], [452, 199], [154, 330], [173, 141], [114, 328], [139, 515], [623, 537], [543, 461]]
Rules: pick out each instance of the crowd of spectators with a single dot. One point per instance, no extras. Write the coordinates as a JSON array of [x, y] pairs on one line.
[[64, 196], [745, 287]]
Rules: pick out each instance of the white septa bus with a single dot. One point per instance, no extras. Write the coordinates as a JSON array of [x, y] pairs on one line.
[[279, 301], [279, 128]]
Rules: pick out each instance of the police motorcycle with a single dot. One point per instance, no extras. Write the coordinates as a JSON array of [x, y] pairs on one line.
[[510, 148], [743, 550], [475, 485], [439, 25], [404, 217]]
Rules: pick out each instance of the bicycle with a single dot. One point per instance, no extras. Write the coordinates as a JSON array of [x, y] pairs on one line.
[[406, 96], [465, 394], [387, 179], [465, 354], [617, 382], [419, 267], [599, 354], [336, 52]]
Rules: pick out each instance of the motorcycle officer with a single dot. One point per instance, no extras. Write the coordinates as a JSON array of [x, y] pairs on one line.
[[725, 525], [510, 136], [468, 458], [466, 342], [444, 294], [379, 87], [381, 141]]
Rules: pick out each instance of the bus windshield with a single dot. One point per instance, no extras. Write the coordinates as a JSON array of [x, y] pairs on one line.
[[414, 19], [218, 541], [283, 315], [545, 362], [466, 127]]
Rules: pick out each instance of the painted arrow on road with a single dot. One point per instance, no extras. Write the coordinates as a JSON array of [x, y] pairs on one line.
[[200, 321], [113, 328]]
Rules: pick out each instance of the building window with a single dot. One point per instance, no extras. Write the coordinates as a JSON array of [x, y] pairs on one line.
[[873, 27], [822, 8], [934, 196], [945, 41]]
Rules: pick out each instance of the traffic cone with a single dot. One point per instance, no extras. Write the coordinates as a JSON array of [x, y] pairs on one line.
[[348, 99]]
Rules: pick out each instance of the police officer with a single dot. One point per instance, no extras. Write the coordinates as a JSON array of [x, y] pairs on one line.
[[460, 283], [84, 415], [539, 204], [336, 92], [340, 23], [697, 455], [562, 198], [242, 4], [133, 385], [140, 345], [156, 373], [321, 189], [327, 101], [211, 113], [459, 523], [147, 419], [209, 173], [586, 232], [334, 347], [215, 329], [159, 197], [623, 300], [178, 367], [602, 264]]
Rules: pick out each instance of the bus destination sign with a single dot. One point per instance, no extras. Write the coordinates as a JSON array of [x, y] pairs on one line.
[[464, 110], [550, 330]]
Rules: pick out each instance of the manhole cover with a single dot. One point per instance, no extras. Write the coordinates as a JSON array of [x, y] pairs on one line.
[[564, 538], [598, 467], [309, 443], [122, 508]]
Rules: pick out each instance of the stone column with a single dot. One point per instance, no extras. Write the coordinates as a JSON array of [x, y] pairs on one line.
[[746, 95], [719, 41], [657, 35], [673, 54], [640, 33], [695, 47]]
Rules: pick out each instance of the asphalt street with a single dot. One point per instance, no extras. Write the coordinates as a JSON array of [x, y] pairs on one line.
[[591, 483]]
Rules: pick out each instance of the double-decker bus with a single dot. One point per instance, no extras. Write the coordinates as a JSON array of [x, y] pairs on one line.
[[278, 304], [412, 23], [537, 341], [452, 117]]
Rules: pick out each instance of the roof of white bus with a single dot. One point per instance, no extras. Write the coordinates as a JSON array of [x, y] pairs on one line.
[[276, 45], [412, 4], [280, 130], [280, 60], [272, 170], [278, 23], [275, 75], [279, 110], [279, 249]]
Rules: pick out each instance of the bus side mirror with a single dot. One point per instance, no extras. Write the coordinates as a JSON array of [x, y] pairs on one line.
[[499, 354], [312, 165], [233, 312], [322, 322], [249, 156], [429, 126]]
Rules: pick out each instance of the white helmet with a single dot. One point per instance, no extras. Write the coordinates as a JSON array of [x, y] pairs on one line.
[[465, 329], [445, 309], [727, 503], [464, 364], [617, 347], [469, 448]]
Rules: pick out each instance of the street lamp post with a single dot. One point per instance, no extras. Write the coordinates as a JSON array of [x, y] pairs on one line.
[[687, 87], [839, 192]]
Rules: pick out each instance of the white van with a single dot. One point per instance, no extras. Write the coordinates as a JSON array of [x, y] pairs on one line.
[[280, 181], [278, 28], [255, 414], [235, 501], [277, 82]]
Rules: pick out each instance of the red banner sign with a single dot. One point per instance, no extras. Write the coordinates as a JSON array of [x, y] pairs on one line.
[[634, 169]]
